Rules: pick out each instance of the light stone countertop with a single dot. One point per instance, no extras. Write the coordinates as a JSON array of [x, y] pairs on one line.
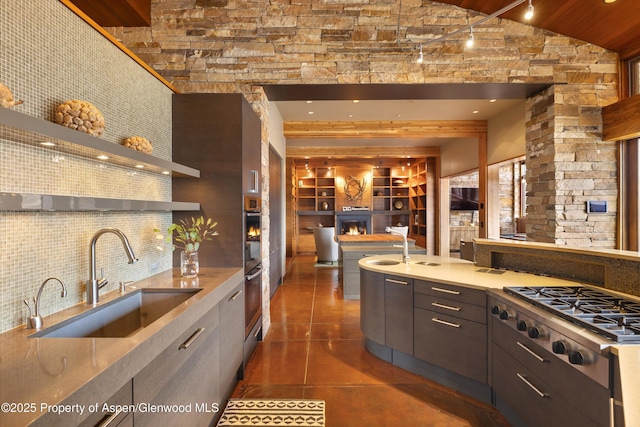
[[460, 272], [85, 371]]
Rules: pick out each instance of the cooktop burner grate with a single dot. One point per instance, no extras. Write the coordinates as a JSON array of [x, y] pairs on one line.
[[604, 313]]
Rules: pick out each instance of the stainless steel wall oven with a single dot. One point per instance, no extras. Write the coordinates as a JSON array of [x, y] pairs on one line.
[[252, 261]]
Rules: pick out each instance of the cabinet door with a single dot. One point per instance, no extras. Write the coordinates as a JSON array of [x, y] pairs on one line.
[[121, 398], [231, 339], [372, 311], [186, 373], [398, 295], [452, 343]]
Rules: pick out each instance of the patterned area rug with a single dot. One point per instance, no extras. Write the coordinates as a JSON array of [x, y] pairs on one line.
[[273, 412]]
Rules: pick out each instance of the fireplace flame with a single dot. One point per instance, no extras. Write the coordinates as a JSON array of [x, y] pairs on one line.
[[253, 231]]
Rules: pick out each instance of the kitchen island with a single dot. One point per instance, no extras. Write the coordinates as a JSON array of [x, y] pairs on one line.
[[68, 381], [432, 317]]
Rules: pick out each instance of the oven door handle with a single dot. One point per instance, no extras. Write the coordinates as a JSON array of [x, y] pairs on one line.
[[254, 275]]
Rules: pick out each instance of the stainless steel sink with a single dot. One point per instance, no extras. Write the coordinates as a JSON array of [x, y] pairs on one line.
[[121, 317], [430, 264], [382, 262]]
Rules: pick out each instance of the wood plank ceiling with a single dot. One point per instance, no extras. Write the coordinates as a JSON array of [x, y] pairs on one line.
[[614, 26]]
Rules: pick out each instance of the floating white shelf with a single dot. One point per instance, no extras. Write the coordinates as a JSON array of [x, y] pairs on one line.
[[19, 127]]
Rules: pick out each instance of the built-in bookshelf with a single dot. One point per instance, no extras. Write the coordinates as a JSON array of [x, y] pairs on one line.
[[396, 195]]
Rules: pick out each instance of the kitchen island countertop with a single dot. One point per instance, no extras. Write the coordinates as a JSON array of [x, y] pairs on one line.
[[461, 272]]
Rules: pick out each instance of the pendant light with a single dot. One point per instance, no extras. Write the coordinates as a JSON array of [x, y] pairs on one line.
[[471, 39], [529, 13]]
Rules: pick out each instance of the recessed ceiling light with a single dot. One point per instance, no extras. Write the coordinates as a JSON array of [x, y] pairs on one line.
[[310, 113], [165, 172], [309, 102], [398, 115], [492, 100], [48, 144], [140, 166], [103, 157], [609, 1], [355, 101], [475, 111], [350, 116]]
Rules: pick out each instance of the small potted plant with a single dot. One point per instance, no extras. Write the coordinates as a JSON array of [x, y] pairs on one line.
[[188, 236]]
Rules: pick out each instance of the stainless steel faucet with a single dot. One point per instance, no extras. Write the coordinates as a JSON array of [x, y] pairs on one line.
[[35, 320], [405, 244], [96, 284]]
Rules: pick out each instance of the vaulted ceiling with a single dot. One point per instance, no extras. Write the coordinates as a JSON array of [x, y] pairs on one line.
[[614, 26]]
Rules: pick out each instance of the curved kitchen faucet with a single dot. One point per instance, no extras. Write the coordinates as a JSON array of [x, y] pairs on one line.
[[405, 243], [35, 320], [96, 284]]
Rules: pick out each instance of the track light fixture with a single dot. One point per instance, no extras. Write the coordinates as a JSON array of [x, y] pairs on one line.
[[529, 13], [420, 56], [471, 39]]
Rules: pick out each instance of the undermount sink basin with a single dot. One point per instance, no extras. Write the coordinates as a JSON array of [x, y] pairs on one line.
[[383, 262], [431, 264], [121, 317]]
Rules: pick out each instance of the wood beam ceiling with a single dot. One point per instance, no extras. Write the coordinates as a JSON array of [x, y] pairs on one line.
[[342, 152], [385, 129]]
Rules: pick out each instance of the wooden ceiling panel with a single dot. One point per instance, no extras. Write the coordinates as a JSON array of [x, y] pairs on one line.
[[613, 26], [117, 13]]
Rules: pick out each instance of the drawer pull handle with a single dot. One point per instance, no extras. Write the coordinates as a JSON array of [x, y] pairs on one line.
[[257, 333], [447, 307], [531, 352], [185, 345], [444, 322], [397, 282], [446, 291], [112, 417], [534, 388], [234, 296]]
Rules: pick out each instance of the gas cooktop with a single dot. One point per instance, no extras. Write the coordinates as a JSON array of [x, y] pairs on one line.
[[605, 313]]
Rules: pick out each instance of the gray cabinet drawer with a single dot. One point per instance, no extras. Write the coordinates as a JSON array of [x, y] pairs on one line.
[[452, 292], [591, 398], [122, 398], [185, 373], [451, 307], [533, 398], [452, 343]]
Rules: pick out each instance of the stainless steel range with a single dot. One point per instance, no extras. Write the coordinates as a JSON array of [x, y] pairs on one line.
[[605, 313], [551, 363]]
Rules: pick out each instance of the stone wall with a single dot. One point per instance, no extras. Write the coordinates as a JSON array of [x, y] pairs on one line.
[[237, 46]]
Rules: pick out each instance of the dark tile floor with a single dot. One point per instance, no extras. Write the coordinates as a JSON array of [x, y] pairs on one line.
[[314, 350]]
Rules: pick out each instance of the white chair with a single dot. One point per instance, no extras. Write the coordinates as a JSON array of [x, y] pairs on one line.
[[326, 244], [404, 230]]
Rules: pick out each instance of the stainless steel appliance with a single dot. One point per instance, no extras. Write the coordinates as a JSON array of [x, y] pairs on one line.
[[252, 262], [551, 362]]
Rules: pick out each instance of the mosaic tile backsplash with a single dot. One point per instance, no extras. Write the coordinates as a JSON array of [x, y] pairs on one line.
[[49, 55]]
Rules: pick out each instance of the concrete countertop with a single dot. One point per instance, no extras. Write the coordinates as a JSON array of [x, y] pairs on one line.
[[460, 272], [37, 372]]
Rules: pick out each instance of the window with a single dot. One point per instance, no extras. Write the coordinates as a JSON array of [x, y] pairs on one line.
[[634, 77]]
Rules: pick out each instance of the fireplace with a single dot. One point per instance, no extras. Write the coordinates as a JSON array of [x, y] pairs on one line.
[[353, 224]]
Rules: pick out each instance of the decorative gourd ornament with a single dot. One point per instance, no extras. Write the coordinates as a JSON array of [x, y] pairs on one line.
[[6, 97], [138, 143], [80, 115]]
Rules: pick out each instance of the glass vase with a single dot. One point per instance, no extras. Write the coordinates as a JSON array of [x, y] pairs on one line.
[[189, 264]]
